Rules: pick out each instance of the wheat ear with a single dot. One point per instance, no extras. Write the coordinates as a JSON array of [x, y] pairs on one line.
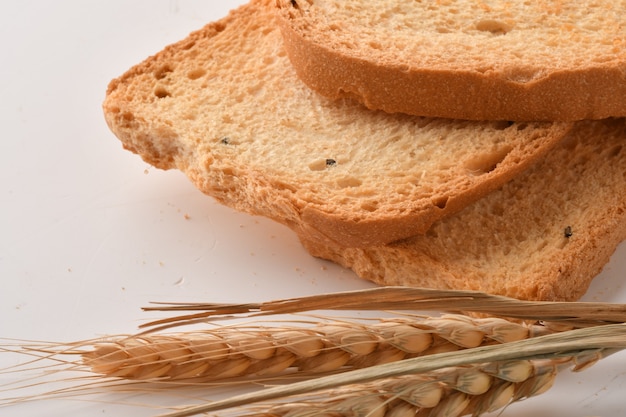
[[451, 392], [607, 338], [235, 351]]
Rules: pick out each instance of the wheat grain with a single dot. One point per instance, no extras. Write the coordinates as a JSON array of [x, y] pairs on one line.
[[233, 351], [451, 392]]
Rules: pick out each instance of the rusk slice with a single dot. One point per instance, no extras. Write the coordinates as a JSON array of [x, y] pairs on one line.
[[543, 236], [226, 107], [478, 60]]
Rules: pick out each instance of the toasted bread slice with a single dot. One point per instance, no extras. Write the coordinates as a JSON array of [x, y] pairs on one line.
[[226, 107], [543, 236], [485, 60]]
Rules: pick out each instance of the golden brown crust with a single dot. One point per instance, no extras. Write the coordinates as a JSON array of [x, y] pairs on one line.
[[594, 92]]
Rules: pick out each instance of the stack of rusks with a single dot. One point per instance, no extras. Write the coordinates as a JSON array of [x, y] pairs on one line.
[[471, 145]]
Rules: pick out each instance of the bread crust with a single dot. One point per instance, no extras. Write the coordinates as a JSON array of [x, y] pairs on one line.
[[594, 91]]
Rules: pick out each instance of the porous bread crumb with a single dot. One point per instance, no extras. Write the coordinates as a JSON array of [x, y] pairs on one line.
[[512, 241]]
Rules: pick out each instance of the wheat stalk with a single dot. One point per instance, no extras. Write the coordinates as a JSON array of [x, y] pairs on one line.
[[574, 314], [236, 351], [449, 392]]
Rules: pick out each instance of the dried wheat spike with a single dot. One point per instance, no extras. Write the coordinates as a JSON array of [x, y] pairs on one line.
[[451, 392], [234, 351]]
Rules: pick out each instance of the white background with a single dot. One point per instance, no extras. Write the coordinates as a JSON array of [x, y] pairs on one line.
[[89, 233]]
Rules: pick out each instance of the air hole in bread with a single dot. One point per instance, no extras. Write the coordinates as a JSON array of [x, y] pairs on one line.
[[342, 92], [196, 73], [255, 90], [161, 92], [370, 206], [441, 201], [349, 182], [269, 60], [614, 151], [522, 126], [188, 45], [496, 27], [504, 124], [348, 45], [162, 72], [486, 162]]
